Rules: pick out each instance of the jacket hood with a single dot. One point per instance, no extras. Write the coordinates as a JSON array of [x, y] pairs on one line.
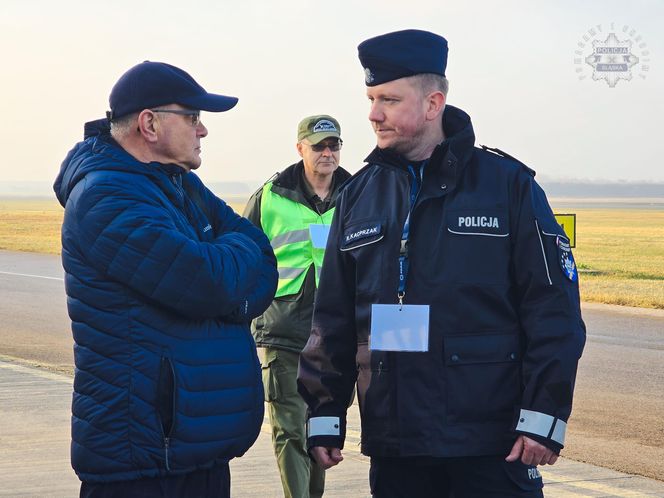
[[459, 139], [100, 152]]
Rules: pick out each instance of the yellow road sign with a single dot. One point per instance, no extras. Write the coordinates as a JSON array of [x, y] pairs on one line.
[[568, 222]]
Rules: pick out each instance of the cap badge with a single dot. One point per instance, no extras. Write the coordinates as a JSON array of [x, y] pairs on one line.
[[324, 125], [368, 76]]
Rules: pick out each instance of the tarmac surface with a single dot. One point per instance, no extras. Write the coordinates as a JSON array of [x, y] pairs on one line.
[[618, 416], [34, 452]]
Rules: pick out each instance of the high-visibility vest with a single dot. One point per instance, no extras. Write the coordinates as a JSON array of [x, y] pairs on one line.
[[286, 223]]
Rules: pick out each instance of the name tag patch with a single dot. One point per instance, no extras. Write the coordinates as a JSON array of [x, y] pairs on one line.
[[567, 264], [358, 235]]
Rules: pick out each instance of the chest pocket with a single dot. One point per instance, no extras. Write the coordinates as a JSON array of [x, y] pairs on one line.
[[477, 241]]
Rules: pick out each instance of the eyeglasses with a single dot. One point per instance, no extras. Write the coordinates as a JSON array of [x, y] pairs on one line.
[[195, 115], [320, 147]]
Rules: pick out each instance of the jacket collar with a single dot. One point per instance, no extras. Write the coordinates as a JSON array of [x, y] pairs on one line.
[[448, 160], [289, 183], [100, 152], [459, 140]]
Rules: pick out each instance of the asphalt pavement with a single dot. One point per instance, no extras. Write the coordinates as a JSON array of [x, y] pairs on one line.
[[34, 452]]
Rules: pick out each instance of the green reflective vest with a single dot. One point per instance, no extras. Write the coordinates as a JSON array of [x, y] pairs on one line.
[[286, 223]]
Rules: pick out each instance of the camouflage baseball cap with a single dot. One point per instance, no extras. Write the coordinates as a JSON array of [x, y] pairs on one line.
[[317, 128]]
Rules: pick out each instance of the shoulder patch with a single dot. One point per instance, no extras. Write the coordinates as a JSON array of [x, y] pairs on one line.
[[567, 264], [499, 152]]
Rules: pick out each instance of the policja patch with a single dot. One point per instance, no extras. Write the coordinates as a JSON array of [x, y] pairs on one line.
[[567, 264]]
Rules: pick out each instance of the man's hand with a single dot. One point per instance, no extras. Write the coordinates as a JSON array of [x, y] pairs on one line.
[[531, 452], [326, 457]]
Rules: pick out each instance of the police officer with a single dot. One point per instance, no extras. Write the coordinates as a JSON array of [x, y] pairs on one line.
[[295, 211], [448, 292]]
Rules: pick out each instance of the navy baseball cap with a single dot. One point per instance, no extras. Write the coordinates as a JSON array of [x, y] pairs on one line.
[[151, 84], [400, 54]]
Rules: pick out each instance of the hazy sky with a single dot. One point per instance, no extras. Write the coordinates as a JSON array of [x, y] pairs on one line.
[[511, 67]]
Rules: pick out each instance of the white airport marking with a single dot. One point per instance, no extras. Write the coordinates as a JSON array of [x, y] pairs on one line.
[[35, 372], [28, 275]]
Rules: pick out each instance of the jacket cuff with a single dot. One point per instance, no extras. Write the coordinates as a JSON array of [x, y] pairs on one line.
[[543, 428], [328, 432]]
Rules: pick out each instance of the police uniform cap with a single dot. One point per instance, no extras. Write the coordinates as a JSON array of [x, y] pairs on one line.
[[402, 53]]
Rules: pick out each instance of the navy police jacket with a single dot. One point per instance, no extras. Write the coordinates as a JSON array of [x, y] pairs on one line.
[[505, 332], [162, 280]]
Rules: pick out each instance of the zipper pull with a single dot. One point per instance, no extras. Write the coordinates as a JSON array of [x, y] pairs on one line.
[[380, 367], [177, 181], [167, 442]]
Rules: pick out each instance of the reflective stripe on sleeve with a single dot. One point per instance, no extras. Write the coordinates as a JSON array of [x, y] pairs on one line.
[[558, 434], [323, 426], [542, 425]]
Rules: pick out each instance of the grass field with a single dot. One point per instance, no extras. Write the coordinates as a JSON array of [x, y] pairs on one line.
[[620, 251], [30, 225], [34, 224], [620, 255]]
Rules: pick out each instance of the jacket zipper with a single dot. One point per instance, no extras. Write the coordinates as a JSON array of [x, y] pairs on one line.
[[167, 437], [177, 182], [167, 442]]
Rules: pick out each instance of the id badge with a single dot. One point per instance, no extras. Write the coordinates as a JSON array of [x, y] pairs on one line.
[[396, 327], [319, 234]]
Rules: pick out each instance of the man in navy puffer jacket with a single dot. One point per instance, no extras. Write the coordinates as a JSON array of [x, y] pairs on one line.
[[162, 280]]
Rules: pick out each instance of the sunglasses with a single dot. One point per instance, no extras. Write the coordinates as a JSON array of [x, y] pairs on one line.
[[320, 147], [195, 115]]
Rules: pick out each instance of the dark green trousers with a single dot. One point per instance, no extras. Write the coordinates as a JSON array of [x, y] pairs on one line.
[[301, 477]]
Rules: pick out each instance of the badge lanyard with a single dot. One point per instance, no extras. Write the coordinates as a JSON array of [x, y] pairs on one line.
[[415, 188]]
